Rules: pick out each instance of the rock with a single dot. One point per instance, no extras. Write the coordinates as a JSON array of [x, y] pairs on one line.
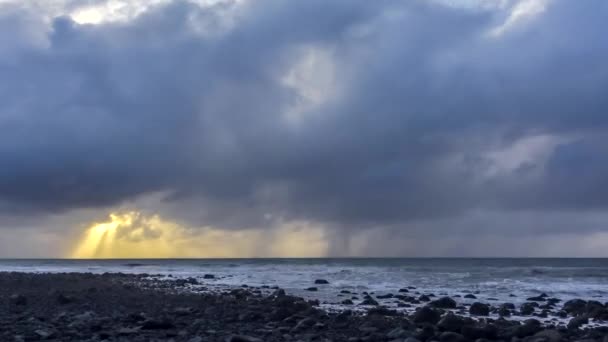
[[398, 333], [424, 298], [426, 314], [209, 276], [347, 302], [549, 335], [451, 322], [528, 328], [44, 334], [18, 299], [470, 296], [386, 296], [577, 322], [63, 299], [304, 323], [527, 308], [575, 306], [243, 338], [382, 311], [312, 289], [157, 325], [127, 331], [411, 339], [444, 303], [321, 281], [479, 309], [504, 312], [345, 292], [537, 298], [403, 290], [368, 301], [449, 336]]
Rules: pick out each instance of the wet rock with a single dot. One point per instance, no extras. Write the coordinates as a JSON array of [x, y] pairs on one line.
[[369, 301], [382, 311], [479, 309], [152, 324], [575, 306], [527, 308], [312, 289], [209, 276], [451, 322], [347, 302], [549, 335], [321, 281], [403, 290], [444, 303], [426, 314], [424, 298], [243, 338], [450, 336], [386, 296], [18, 299], [470, 296], [577, 322]]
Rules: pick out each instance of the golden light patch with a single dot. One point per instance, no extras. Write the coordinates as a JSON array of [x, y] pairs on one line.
[[134, 235]]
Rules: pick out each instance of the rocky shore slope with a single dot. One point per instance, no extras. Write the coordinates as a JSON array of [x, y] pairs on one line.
[[119, 307]]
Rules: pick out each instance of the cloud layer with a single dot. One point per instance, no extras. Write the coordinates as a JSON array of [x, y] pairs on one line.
[[352, 115]]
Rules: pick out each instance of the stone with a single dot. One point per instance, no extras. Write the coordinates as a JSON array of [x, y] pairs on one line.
[[321, 281], [451, 322], [243, 338], [450, 336], [312, 289], [444, 303], [209, 276], [18, 299], [426, 314], [549, 335], [479, 309], [577, 322], [470, 296], [347, 302], [368, 301]]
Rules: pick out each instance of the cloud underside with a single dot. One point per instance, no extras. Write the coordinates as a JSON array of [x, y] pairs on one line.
[[413, 117]]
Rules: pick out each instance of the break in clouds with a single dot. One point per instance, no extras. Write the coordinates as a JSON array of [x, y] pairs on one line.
[[398, 127]]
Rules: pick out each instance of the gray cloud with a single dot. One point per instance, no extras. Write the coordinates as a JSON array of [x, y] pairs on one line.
[[182, 100]]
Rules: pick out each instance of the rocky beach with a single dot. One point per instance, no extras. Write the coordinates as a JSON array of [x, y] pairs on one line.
[[143, 307]]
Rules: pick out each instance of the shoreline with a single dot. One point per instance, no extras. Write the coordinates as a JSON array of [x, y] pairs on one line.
[[141, 307]]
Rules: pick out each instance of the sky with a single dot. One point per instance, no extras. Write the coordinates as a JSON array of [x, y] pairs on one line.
[[241, 128]]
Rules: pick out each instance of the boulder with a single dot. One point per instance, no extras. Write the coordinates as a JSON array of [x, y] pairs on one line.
[[479, 309], [426, 314], [444, 303], [321, 281]]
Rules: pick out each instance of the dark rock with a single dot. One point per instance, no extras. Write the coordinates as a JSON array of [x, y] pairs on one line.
[[528, 328], [18, 299], [347, 302], [209, 276], [321, 281], [157, 324], [313, 289], [527, 309], [369, 301], [451, 322], [444, 303], [449, 336], [386, 296], [424, 298], [243, 338], [470, 296], [426, 314], [575, 306], [537, 299], [549, 335], [345, 291], [577, 322], [403, 290], [479, 309], [382, 311]]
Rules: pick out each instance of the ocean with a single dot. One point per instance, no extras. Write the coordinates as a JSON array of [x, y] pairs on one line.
[[490, 279]]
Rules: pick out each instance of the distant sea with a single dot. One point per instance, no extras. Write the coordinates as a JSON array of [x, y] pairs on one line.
[[503, 279]]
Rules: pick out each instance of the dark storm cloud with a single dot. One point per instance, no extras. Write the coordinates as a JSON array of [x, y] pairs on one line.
[[181, 101]]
